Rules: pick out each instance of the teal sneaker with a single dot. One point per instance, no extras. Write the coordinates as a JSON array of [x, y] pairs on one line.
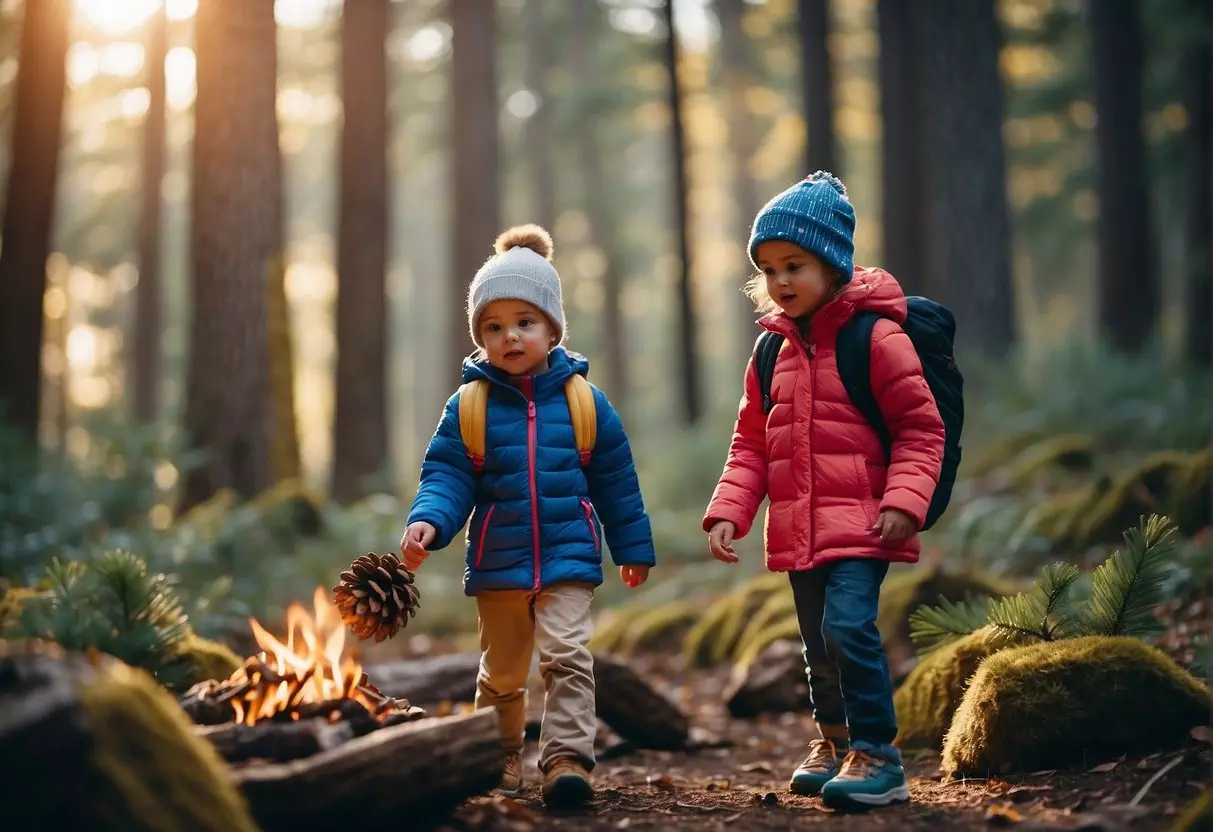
[[866, 780], [823, 762]]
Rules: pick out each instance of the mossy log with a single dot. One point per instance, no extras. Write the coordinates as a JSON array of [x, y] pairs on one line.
[[628, 630], [714, 637], [1073, 452], [768, 624], [999, 453], [393, 778], [206, 659], [95, 744], [1055, 704], [292, 507], [930, 695]]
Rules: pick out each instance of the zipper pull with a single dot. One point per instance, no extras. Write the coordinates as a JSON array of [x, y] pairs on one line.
[[530, 409]]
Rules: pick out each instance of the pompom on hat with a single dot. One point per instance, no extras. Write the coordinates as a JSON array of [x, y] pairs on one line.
[[815, 214], [521, 269]]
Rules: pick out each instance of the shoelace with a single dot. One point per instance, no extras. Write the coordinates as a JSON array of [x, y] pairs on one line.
[[860, 764], [818, 750]]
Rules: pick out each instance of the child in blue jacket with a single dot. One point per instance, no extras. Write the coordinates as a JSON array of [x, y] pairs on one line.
[[538, 507]]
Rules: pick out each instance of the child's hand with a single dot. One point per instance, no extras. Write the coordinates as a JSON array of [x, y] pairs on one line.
[[895, 526], [414, 542], [633, 576], [720, 541]]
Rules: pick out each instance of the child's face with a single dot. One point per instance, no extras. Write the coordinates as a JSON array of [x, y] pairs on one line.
[[797, 281], [516, 336]]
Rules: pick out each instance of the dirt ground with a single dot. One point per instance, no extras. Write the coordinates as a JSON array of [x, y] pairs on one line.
[[737, 780]]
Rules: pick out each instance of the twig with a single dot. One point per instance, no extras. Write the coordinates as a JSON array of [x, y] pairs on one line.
[[1149, 783], [715, 807]]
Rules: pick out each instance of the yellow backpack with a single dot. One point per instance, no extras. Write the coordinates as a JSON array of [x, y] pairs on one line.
[[474, 405]]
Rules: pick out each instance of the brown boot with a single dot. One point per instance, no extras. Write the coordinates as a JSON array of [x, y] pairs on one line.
[[566, 783], [511, 778]]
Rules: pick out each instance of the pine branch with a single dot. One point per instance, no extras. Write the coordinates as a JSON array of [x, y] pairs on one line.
[[1127, 586], [933, 627], [1039, 613]]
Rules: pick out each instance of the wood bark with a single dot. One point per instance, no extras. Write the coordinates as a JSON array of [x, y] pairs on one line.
[[774, 683], [474, 163], [688, 364], [275, 741], [430, 681], [901, 175], [395, 776], [539, 126], [236, 394], [1128, 296], [360, 441], [817, 85], [29, 210], [737, 66], [586, 25], [966, 236], [148, 317], [1198, 148], [635, 710]]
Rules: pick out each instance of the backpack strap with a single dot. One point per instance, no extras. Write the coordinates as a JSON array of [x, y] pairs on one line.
[[765, 354], [473, 410], [853, 352], [583, 412]]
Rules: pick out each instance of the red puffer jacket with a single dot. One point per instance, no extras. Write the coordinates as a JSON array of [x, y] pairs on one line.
[[816, 457]]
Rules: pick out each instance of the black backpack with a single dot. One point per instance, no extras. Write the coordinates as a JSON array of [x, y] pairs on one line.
[[932, 330]]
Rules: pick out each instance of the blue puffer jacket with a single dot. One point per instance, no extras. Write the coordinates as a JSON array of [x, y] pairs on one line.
[[538, 515]]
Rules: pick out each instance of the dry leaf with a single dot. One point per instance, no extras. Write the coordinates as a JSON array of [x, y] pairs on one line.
[[1202, 733], [1048, 772], [1002, 815], [765, 768], [664, 782], [1103, 768]]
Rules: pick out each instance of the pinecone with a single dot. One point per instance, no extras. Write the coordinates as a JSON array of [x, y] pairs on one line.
[[377, 596]]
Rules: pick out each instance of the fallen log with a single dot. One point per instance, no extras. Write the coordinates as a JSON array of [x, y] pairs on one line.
[[635, 710], [774, 683], [396, 776], [429, 681], [276, 741]]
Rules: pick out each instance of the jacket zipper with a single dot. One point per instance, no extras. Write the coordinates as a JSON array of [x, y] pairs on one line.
[[484, 529], [528, 384], [589, 521]]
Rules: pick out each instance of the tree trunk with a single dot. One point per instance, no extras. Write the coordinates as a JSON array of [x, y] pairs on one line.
[[29, 211], [688, 369], [963, 193], [737, 66], [147, 292], [1198, 145], [1128, 293], [474, 162], [233, 396], [586, 33], [539, 125], [360, 441], [817, 85], [901, 175]]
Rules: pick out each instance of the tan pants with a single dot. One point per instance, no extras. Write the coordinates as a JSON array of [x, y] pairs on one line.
[[557, 621]]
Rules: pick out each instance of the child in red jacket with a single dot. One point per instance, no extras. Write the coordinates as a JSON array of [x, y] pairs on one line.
[[839, 511]]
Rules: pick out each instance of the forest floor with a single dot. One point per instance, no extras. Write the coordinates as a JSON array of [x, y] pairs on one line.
[[737, 780]]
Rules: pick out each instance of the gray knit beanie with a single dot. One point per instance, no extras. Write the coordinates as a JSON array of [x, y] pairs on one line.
[[520, 270]]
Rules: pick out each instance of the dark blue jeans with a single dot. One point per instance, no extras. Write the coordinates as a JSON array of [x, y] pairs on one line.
[[848, 671]]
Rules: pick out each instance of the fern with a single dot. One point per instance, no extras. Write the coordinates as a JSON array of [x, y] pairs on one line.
[[1128, 585], [933, 627], [1041, 612]]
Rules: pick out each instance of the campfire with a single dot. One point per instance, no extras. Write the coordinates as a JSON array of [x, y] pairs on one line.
[[306, 677]]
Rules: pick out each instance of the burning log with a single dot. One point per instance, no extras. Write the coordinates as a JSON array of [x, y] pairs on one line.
[[398, 777], [275, 741]]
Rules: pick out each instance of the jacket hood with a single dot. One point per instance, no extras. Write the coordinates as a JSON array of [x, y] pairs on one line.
[[870, 290], [562, 364]]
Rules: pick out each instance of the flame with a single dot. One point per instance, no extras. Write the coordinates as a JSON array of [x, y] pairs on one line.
[[308, 668]]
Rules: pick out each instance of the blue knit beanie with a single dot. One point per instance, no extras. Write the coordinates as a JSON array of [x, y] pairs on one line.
[[816, 215]]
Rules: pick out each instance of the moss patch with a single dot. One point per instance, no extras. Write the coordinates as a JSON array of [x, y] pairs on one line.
[[714, 637], [148, 769], [634, 629], [207, 659], [927, 699], [1059, 703]]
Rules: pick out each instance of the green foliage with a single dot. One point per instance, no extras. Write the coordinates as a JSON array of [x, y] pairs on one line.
[[112, 605], [1127, 586], [1125, 589]]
